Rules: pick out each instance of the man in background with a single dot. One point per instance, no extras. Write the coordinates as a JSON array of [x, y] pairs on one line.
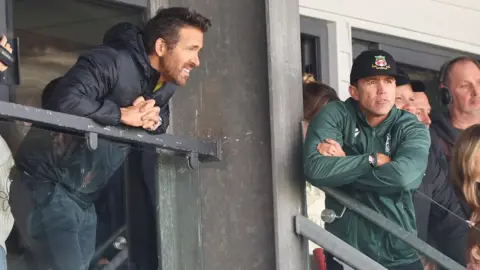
[[438, 209]]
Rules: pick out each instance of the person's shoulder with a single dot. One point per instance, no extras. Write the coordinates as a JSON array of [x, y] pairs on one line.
[[334, 106], [407, 123], [333, 109], [333, 113], [105, 54]]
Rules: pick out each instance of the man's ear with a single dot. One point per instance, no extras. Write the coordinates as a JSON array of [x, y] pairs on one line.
[[160, 47], [353, 92]]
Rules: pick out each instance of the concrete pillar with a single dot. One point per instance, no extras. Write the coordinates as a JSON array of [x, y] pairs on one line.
[[247, 93]]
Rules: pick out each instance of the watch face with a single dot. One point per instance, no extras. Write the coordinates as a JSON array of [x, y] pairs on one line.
[[370, 159]]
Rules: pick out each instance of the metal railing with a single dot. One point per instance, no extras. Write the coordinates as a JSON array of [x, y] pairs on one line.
[[194, 150], [202, 150], [334, 245], [337, 247]]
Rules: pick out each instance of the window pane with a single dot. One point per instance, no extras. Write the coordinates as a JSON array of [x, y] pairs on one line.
[[50, 43]]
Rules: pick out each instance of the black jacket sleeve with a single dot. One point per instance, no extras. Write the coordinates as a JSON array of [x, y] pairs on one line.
[[446, 223], [82, 90]]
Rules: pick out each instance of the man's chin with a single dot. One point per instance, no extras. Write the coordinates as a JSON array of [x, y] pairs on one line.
[[181, 82]]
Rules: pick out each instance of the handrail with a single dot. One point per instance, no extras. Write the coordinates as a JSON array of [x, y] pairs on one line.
[[392, 228], [106, 245], [206, 150], [334, 245]]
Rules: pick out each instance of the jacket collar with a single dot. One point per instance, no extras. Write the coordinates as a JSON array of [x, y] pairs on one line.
[[361, 117]]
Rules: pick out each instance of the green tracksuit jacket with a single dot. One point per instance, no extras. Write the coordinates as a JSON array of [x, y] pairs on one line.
[[387, 189]]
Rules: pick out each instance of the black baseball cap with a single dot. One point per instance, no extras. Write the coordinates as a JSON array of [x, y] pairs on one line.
[[403, 78], [373, 63]]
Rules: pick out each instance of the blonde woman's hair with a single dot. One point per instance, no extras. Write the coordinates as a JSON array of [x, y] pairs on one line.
[[308, 78], [464, 156], [466, 151]]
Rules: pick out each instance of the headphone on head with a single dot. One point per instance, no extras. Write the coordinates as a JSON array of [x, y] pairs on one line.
[[445, 92]]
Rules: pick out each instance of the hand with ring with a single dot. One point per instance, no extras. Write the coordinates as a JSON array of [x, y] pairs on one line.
[[330, 148]]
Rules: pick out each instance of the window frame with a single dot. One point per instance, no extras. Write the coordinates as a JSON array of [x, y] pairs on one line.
[[318, 29], [406, 51]]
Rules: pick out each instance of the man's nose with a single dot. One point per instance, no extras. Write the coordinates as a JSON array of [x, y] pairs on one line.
[[380, 88], [476, 89], [196, 60], [426, 119]]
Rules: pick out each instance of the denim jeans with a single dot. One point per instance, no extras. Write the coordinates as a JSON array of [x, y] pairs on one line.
[[61, 235]]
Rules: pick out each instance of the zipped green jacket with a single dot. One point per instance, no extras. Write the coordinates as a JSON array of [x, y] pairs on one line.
[[387, 189]]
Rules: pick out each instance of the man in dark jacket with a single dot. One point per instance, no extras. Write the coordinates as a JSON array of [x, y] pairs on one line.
[[459, 79], [128, 80], [440, 219], [373, 152]]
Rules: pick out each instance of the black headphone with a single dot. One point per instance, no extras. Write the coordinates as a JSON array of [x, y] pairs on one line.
[[445, 92]]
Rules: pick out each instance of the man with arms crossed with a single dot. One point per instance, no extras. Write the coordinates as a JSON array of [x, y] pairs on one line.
[[376, 154]]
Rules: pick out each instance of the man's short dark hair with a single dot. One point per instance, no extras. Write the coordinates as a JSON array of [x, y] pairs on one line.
[[167, 24]]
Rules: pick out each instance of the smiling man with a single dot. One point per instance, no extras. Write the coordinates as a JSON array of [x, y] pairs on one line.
[[131, 77], [421, 102], [376, 154], [128, 80]]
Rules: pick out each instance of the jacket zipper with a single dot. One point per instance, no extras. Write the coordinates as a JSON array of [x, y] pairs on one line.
[[373, 151]]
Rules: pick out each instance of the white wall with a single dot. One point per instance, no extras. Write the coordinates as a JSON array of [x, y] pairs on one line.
[[447, 23]]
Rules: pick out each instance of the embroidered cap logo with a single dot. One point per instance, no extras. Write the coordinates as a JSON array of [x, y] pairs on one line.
[[380, 63]]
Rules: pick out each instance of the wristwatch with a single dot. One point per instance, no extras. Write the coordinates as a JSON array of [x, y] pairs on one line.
[[372, 159]]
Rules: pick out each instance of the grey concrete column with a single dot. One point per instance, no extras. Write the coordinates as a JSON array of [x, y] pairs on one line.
[[286, 111], [248, 93]]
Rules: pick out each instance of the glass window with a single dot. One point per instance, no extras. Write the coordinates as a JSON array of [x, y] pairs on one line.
[[50, 43]]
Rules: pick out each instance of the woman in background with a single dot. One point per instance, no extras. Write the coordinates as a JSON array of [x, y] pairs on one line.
[[315, 96], [466, 177]]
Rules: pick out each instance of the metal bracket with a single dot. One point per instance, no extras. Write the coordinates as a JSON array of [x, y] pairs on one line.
[[92, 140], [193, 162]]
